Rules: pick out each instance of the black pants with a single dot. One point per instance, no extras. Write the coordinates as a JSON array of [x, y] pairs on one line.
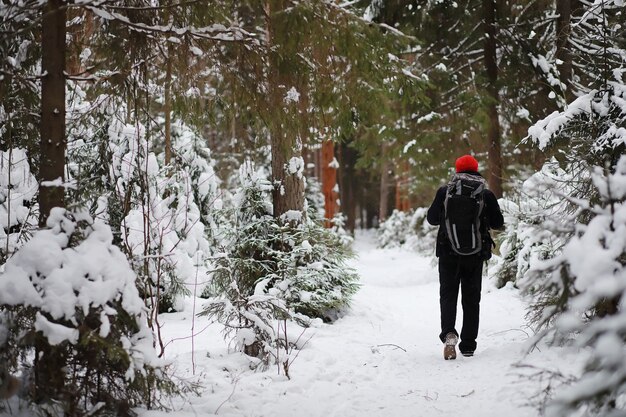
[[466, 272]]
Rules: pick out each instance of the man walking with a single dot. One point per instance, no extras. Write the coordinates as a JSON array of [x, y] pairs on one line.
[[465, 210]]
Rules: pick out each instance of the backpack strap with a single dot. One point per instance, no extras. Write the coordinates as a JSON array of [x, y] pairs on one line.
[[478, 190], [459, 187]]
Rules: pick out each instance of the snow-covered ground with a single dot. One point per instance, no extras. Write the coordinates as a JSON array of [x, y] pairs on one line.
[[383, 358]]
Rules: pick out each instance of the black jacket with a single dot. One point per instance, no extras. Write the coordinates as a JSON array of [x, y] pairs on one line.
[[491, 217]]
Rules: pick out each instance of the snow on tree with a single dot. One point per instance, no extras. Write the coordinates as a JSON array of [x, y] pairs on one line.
[[249, 316], [537, 222], [594, 260], [18, 190], [578, 288], [193, 157], [20, 68], [314, 199], [273, 270], [166, 212], [315, 209], [410, 230], [163, 217], [68, 298], [577, 46]]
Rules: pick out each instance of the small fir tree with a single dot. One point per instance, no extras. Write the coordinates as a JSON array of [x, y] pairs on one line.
[[249, 316], [276, 270]]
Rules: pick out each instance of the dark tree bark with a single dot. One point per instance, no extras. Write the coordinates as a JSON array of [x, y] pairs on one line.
[[167, 107], [491, 67], [288, 192], [372, 214], [53, 143], [48, 371], [49, 381], [348, 181], [563, 53], [385, 185]]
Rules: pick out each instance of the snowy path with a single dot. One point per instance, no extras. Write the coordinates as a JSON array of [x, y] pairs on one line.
[[381, 359]]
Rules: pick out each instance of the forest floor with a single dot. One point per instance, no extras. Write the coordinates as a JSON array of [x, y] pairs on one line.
[[382, 359]]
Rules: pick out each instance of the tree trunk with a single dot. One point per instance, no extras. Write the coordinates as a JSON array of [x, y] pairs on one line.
[[80, 33], [287, 175], [491, 67], [52, 128], [167, 108], [385, 185], [329, 181], [372, 215], [49, 377], [49, 371], [384, 191], [402, 189], [167, 99], [348, 181], [317, 161], [288, 193], [563, 53], [287, 162]]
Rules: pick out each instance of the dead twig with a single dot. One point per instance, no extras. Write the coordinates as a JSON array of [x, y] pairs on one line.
[[392, 345], [509, 330], [229, 397], [467, 395]]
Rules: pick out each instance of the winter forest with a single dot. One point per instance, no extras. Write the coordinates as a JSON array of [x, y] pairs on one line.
[[219, 207]]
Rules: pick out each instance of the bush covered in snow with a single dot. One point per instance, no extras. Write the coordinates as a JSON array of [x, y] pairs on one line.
[[73, 320], [592, 264], [338, 227], [537, 222], [589, 125], [275, 269], [410, 230], [162, 216], [169, 229], [579, 287], [394, 231]]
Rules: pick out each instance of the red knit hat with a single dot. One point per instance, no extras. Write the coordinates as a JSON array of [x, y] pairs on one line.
[[466, 163]]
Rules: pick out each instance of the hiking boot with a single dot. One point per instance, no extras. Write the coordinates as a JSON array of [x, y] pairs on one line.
[[449, 350], [467, 353]]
